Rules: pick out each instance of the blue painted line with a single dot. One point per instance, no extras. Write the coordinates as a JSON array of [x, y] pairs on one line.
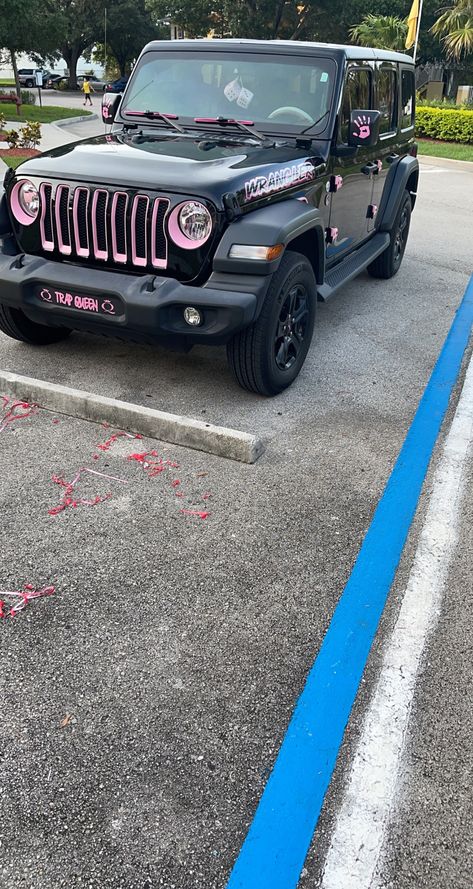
[[273, 853]]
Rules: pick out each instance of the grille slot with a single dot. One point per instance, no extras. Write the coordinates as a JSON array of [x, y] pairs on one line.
[[79, 216], [159, 244], [99, 223], [109, 226], [46, 219], [139, 218]]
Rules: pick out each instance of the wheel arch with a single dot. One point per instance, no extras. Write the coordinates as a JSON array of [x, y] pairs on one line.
[[311, 244], [401, 177], [296, 225]]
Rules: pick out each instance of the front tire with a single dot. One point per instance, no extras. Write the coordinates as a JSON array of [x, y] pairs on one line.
[[389, 262], [16, 325], [268, 356]]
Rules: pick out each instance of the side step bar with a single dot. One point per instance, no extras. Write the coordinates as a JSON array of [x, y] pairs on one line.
[[352, 266]]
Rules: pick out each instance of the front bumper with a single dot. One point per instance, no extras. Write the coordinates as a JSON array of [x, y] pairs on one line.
[[152, 306]]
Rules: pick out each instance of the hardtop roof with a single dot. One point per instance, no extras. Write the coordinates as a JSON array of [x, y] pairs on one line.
[[360, 53]]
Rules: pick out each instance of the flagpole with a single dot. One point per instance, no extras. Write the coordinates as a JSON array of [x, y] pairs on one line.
[[418, 30]]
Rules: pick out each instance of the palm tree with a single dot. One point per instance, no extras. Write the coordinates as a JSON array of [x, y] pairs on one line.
[[455, 26], [383, 31]]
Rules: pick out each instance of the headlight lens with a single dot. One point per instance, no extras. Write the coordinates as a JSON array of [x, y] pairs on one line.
[[28, 198], [25, 202], [195, 221]]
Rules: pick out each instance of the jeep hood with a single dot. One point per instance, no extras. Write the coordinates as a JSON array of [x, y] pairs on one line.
[[208, 166]]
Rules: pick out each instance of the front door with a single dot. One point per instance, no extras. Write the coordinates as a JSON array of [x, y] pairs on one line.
[[352, 177]]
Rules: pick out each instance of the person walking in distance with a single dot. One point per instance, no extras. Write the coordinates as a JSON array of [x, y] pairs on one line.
[[87, 90]]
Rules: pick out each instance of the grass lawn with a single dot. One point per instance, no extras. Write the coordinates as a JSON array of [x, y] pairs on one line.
[[12, 161], [34, 112], [454, 150]]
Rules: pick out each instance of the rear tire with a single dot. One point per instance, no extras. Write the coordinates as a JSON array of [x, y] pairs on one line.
[[389, 262], [267, 356], [16, 325]]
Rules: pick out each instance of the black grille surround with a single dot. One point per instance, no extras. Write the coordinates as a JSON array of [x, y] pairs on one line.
[[113, 228]]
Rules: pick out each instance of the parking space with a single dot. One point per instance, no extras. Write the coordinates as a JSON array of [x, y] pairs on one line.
[[145, 701]]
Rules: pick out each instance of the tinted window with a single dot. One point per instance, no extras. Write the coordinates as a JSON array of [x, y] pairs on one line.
[[407, 99], [357, 95], [387, 91]]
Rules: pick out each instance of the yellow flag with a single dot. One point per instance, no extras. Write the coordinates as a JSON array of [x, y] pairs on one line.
[[412, 24]]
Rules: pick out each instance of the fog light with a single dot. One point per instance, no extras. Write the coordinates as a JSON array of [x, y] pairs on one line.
[[192, 316]]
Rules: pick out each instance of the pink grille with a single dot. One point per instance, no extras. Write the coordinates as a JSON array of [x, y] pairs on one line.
[[109, 226]]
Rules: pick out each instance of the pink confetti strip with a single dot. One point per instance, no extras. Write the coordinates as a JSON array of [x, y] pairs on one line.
[[13, 414], [106, 445], [69, 501], [196, 512], [21, 598]]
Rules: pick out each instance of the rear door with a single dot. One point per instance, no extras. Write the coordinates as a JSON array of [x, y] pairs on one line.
[[387, 151]]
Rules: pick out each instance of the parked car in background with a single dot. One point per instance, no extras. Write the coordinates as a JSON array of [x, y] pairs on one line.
[[116, 86], [27, 76]]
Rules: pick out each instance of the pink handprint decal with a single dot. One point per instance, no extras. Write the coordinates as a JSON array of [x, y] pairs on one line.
[[364, 129]]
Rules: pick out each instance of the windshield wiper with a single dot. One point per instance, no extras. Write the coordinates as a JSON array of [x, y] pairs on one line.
[[241, 124], [157, 115]]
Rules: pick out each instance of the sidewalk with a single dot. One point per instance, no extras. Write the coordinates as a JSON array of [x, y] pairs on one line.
[[54, 135]]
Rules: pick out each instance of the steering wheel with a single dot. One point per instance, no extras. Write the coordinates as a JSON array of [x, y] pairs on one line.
[[301, 115]]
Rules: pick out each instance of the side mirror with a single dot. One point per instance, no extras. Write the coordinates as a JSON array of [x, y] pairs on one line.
[[110, 103], [364, 127]]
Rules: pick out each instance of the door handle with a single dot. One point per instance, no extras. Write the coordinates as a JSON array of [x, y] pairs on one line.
[[391, 158], [369, 168]]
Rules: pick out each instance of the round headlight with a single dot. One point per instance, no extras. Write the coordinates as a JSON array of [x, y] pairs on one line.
[[25, 202], [28, 197], [195, 221]]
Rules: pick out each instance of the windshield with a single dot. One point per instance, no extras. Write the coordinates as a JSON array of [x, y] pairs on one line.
[[276, 92]]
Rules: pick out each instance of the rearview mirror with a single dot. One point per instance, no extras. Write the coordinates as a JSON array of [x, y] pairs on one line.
[[110, 103], [364, 127]]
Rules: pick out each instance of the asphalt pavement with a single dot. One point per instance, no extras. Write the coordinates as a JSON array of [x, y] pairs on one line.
[[145, 701]]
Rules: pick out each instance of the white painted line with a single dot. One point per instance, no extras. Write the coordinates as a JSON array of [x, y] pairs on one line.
[[184, 431], [361, 824]]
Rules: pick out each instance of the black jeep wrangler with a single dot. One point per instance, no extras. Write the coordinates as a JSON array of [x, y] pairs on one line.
[[240, 181]]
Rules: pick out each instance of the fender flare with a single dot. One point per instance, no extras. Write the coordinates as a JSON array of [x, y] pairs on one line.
[[279, 223], [396, 183]]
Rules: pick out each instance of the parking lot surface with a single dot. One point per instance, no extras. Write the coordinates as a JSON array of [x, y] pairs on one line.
[[145, 701]]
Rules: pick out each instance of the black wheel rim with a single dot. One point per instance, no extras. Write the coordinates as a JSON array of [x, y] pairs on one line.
[[401, 236], [291, 327]]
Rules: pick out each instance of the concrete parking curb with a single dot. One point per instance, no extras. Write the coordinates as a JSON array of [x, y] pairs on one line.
[[172, 428]]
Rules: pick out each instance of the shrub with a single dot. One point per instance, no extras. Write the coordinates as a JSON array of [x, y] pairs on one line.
[[448, 124], [12, 137], [27, 97], [30, 135]]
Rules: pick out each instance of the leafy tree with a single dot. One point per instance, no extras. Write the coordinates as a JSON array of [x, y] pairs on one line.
[[130, 25], [26, 25], [455, 27], [79, 24], [384, 31]]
